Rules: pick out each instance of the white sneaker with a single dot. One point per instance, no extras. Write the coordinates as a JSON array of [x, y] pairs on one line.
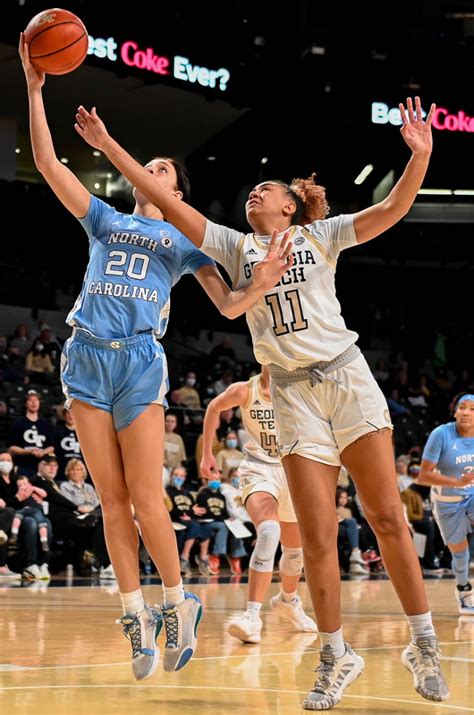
[[107, 573], [294, 613], [357, 568], [465, 601], [181, 623], [422, 659], [247, 627], [142, 629], [334, 676], [44, 571], [32, 572], [8, 575]]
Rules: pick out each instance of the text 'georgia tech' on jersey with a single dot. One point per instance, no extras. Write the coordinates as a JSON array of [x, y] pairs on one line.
[[259, 424], [133, 264], [299, 321]]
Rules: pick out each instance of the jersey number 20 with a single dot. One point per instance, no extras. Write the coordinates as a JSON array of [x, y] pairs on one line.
[[136, 268]]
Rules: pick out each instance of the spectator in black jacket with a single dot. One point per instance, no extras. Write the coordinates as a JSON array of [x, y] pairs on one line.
[[188, 530]]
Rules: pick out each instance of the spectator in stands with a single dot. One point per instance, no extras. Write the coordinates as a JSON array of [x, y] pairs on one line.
[[14, 369], [70, 521], [420, 514], [84, 496], [228, 422], [20, 340], [7, 513], [187, 395], [349, 530], [183, 512], [380, 372], [224, 382], [66, 442], [230, 456], [51, 345], [30, 437], [224, 353], [39, 367], [215, 513], [174, 449], [230, 488], [403, 478], [31, 499], [36, 564]]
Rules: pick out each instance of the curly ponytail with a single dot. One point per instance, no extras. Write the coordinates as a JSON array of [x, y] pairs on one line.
[[313, 198]]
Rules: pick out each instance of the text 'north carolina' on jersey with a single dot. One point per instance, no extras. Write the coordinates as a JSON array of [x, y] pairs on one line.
[[133, 264], [259, 424], [453, 456], [299, 321]]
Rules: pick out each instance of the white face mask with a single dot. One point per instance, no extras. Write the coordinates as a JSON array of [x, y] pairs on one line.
[[190, 381], [6, 467]]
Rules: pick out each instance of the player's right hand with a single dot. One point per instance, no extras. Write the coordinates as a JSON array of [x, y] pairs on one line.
[[209, 467]]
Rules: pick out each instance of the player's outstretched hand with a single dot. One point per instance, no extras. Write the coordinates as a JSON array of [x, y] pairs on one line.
[[34, 78], [90, 127], [268, 272], [416, 131]]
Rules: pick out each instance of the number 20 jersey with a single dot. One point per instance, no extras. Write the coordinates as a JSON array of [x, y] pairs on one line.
[[299, 321], [134, 262]]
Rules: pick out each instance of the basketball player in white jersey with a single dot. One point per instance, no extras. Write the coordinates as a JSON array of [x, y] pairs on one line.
[[267, 499], [328, 408]]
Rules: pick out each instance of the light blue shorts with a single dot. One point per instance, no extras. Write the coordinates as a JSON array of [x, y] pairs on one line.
[[455, 519], [121, 376]]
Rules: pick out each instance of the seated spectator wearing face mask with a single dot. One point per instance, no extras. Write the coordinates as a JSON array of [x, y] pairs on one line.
[[187, 395], [38, 363], [229, 457], [212, 500]]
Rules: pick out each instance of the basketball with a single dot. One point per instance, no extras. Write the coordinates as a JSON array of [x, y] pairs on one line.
[[57, 40]]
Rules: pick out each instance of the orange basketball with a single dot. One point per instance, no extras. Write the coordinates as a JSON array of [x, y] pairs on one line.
[[57, 40]]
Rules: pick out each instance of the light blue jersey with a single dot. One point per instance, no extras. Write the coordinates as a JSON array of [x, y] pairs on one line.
[[453, 456], [133, 264], [113, 359]]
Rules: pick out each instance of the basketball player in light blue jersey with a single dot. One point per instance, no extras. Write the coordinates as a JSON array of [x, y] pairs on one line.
[[114, 376], [448, 466]]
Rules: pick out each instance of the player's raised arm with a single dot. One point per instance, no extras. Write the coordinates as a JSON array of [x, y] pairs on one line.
[[189, 221], [416, 132], [66, 186]]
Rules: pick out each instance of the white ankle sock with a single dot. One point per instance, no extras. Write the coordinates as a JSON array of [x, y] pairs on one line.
[[421, 625], [335, 640], [254, 606], [288, 597], [132, 602], [173, 595]]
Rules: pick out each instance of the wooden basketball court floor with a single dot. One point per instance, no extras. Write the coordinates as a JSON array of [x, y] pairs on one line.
[[62, 653]]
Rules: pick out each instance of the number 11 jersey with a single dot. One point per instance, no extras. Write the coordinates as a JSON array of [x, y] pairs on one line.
[[299, 321]]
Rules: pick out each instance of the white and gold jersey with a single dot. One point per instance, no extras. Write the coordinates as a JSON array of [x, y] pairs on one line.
[[299, 321], [259, 424]]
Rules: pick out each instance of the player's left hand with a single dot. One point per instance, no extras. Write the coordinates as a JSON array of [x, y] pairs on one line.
[[416, 131], [268, 272]]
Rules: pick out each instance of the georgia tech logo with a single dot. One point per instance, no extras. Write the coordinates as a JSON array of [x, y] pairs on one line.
[[46, 18]]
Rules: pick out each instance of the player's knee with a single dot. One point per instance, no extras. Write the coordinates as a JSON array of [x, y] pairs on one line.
[[291, 562], [268, 537]]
